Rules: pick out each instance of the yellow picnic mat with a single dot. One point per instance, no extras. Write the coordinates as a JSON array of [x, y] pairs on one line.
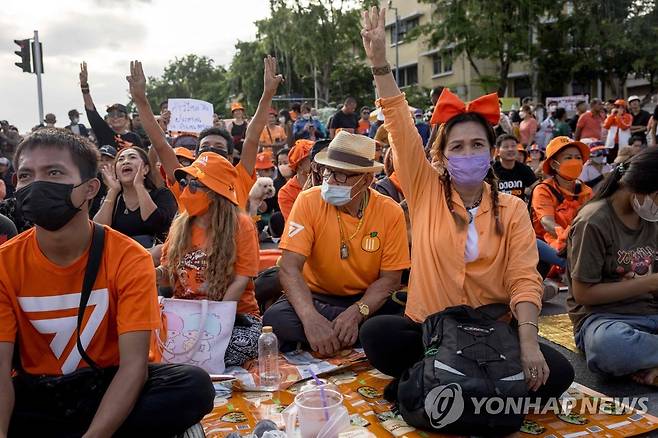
[[559, 330], [362, 387]]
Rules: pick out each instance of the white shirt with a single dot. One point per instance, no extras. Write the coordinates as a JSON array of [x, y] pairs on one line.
[[471, 251]]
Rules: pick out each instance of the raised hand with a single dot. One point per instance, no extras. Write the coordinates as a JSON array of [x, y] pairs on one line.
[[83, 75], [110, 179], [137, 81], [271, 80], [373, 34], [140, 175]]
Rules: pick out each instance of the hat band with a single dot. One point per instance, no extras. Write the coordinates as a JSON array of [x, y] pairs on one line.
[[348, 158]]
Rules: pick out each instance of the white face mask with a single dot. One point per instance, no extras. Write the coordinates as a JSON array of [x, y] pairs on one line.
[[282, 120], [75, 120], [648, 210], [522, 115], [285, 170], [599, 159], [336, 195]]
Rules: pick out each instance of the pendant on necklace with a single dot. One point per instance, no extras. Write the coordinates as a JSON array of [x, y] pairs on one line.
[[126, 211], [344, 252]]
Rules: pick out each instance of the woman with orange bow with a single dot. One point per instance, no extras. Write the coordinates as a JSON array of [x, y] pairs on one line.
[[556, 201], [618, 124], [471, 245]]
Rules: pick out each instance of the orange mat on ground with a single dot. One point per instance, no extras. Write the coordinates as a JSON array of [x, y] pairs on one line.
[[363, 386]]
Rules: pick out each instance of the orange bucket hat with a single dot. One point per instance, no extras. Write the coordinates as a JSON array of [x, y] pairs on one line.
[[214, 172], [559, 143], [298, 152], [264, 161]]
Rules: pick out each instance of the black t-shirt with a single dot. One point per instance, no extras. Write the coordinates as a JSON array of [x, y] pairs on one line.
[[344, 121], [515, 181], [131, 224], [573, 122], [641, 119], [106, 135]]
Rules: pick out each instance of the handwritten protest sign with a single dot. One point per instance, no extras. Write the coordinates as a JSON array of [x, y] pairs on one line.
[[567, 102], [190, 115]]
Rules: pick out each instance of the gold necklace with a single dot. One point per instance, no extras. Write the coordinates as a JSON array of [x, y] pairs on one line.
[[344, 251]]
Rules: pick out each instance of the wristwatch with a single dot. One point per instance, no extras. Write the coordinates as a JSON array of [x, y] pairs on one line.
[[364, 310]]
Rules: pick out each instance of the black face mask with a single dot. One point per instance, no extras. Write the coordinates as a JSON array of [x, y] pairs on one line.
[[47, 204]]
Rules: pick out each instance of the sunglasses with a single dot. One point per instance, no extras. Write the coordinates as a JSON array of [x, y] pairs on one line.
[[339, 177], [192, 185]]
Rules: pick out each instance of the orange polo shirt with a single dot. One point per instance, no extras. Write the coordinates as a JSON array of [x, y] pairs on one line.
[[506, 268], [287, 195], [271, 135], [380, 244]]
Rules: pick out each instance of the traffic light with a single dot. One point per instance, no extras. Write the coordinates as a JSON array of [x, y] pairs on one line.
[[34, 57], [24, 53]]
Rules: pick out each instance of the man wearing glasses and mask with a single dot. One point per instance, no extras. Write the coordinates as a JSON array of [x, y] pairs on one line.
[[344, 249]]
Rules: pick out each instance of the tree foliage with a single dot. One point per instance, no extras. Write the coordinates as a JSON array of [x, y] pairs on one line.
[[192, 76]]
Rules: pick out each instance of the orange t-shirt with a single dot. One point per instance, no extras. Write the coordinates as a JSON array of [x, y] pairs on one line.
[[190, 278], [544, 203], [313, 231], [242, 187], [271, 135], [506, 268], [590, 125], [287, 195], [364, 127], [39, 302]]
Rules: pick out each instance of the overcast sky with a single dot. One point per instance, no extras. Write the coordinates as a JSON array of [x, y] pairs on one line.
[[108, 34]]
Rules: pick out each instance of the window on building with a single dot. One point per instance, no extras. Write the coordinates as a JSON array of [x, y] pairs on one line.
[[404, 26], [408, 75], [442, 62]]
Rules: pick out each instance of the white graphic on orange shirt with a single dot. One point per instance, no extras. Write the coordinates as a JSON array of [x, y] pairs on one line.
[[64, 328], [294, 229]]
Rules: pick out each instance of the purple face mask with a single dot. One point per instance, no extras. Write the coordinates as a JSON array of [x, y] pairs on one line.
[[469, 170]]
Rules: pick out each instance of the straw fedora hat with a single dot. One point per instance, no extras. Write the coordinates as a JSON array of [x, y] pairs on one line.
[[350, 152]]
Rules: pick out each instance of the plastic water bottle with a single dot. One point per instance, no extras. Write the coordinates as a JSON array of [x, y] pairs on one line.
[[268, 360]]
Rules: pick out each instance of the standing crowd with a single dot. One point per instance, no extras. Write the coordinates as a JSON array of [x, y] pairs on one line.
[[383, 217]]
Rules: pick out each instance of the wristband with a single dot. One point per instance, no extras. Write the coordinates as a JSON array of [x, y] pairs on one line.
[[381, 71], [534, 324]]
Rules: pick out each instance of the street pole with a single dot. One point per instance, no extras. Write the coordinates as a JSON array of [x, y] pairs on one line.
[[315, 84], [38, 68], [397, 48]]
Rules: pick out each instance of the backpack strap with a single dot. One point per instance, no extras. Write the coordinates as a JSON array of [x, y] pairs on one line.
[[558, 195], [91, 272]]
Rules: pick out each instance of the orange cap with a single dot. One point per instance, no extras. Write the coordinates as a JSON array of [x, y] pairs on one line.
[[559, 143], [236, 106], [214, 172], [184, 152], [519, 147], [620, 102], [264, 161], [298, 152]]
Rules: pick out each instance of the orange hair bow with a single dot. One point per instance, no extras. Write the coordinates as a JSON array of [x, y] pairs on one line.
[[450, 105]]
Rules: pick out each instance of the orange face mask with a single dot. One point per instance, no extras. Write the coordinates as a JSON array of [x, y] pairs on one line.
[[570, 169], [196, 204]]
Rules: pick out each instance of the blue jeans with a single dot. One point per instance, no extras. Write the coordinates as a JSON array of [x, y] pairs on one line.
[[549, 255], [619, 344]]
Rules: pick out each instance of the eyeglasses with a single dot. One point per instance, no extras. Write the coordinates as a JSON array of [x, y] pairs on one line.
[[339, 177], [192, 184]]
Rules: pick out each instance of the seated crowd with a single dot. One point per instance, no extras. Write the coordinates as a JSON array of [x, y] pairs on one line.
[[380, 225]]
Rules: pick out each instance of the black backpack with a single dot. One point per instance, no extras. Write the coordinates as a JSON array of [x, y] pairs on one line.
[[468, 353]]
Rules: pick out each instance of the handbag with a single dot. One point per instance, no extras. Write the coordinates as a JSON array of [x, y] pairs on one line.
[[198, 332]]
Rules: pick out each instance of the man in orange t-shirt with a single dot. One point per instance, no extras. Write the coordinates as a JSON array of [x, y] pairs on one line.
[[344, 250], [589, 124], [117, 391], [273, 137]]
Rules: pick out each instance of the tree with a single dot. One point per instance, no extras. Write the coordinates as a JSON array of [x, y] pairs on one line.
[[193, 77], [500, 31]]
